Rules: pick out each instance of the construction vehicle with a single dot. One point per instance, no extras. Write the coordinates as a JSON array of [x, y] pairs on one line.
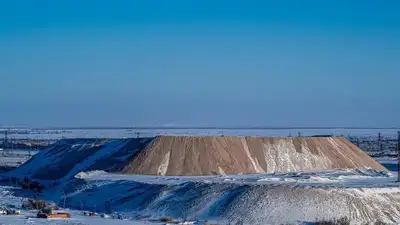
[[89, 213], [49, 213], [10, 212]]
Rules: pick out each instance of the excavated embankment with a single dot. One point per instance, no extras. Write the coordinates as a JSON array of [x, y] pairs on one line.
[[195, 156], [191, 156]]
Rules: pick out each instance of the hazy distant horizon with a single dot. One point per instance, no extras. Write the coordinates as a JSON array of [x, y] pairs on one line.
[[225, 63], [195, 127]]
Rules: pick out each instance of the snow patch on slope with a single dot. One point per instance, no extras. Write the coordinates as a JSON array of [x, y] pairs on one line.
[[162, 169], [254, 161], [221, 171], [282, 156], [109, 148]]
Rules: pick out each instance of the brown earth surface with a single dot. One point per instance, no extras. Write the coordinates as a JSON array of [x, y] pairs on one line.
[[193, 156]]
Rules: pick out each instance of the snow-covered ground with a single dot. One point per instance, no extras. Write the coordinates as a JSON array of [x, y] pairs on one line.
[[349, 178], [15, 158], [6, 160], [10, 201], [29, 218], [362, 195], [251, 199], [129, 133]]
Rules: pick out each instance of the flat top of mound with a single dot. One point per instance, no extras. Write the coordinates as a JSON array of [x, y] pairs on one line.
[[212, 155]]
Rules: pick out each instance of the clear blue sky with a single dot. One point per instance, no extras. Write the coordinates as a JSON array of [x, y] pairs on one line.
[[272, 63]]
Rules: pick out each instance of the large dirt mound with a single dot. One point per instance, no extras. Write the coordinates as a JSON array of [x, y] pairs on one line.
[[187, 156]]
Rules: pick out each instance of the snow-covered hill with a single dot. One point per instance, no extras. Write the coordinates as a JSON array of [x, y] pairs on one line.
[[361, 195], [183, 155], [88, 174]]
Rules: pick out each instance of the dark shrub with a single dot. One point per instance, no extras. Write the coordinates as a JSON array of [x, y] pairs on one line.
[[342, 221]]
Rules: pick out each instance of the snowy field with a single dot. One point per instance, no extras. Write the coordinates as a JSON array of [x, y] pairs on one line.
[[9, 200], [29, 218], [130, 133], [15, 157]]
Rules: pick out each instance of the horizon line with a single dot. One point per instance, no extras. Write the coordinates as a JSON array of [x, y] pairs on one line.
[[202, 128]]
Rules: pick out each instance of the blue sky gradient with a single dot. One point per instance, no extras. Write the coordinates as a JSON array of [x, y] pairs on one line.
[[210, 63]]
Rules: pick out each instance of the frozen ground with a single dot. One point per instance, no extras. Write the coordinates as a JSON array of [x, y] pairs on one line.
[[9, 200], [15, 158], [362, 195], [348, 178], [129, 133], [389, 162], [251, 199], [12, 160], [77, 219]]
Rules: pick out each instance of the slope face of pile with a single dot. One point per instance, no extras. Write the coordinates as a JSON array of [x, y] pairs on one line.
[[66, 158], [194, 156]]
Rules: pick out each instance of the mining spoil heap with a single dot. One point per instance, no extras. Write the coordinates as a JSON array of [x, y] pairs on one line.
[[318, 178], [194, 156]]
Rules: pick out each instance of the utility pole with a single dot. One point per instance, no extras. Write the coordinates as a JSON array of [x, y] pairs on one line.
[[5, 142], [65, 198], [398, 156], [30, 147], [12, 144], [380, 141]]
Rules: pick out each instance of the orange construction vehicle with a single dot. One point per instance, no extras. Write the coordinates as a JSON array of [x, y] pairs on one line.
[[48, 214]]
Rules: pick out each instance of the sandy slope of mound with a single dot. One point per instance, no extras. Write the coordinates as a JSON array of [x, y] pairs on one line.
[[186, 156]]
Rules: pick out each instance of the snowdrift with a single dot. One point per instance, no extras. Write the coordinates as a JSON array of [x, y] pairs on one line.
[[195, 156], [66, 158], [364, 196]]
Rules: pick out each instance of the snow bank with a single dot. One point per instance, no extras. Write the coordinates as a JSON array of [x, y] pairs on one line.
[[83, 175], [361, 195], [66, 158]]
